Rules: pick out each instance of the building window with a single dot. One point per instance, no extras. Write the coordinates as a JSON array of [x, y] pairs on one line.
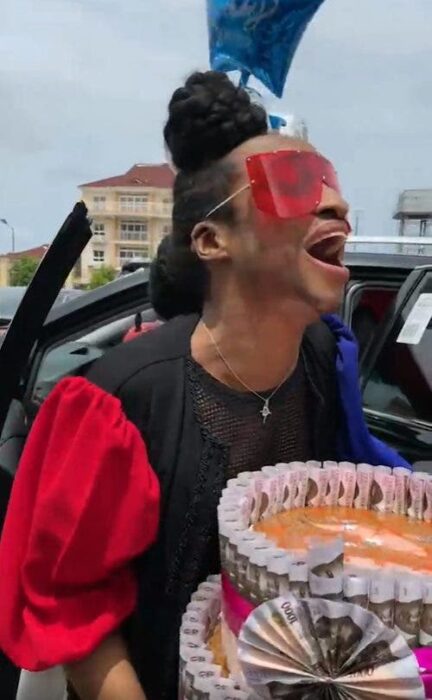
[[166, 229], [99, 202], [135, 203], [167, 205], [127, 254], [99, 256], [99, 230], [133, 231]]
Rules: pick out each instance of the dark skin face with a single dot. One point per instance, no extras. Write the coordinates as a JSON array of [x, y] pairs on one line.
[[265, 253]]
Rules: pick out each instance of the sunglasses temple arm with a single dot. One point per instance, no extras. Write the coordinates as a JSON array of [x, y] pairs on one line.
[[228, 199]]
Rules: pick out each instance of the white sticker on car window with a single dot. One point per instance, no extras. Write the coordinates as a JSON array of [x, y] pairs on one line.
[[417, 321]]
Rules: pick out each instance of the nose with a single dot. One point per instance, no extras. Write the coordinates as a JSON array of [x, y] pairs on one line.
[[332, 201]]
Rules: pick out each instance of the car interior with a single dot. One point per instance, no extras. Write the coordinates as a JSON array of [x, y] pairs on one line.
[[74, 357], [370, 307]]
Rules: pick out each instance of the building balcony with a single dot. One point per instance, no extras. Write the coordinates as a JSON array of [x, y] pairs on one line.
[[126, 240], [151, 210]]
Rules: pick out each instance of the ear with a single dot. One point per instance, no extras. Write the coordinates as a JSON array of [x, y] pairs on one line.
[[209, 241]]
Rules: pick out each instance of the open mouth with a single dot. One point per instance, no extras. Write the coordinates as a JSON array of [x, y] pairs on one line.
[[329, 250]]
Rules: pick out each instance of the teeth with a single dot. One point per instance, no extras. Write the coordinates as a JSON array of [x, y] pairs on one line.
[[339, 237], [329, 249], [329, 246]]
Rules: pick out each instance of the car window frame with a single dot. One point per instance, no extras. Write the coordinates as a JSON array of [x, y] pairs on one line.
[[412, 287], [361, 285], [27, 323]]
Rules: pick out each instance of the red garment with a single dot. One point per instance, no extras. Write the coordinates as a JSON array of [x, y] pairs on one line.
[[133, 333], [84, 504]]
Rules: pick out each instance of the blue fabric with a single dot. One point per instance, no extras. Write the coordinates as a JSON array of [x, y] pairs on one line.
[[355, 443], [258, 37]]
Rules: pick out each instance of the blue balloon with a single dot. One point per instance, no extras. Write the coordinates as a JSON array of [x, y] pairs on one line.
[[258, 37]]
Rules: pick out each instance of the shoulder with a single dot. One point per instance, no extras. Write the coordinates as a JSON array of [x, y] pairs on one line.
[[74, 396], [169, 342]]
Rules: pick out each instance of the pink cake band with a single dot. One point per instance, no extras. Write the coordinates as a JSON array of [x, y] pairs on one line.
[[235, 608], [424, 658]]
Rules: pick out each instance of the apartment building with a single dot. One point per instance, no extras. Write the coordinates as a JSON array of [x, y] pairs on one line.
[[130, 213]]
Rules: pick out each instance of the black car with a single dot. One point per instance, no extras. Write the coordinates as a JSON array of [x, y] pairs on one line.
[[11, 297], [62, 340]]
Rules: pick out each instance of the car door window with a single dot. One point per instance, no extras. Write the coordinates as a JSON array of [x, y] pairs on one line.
[[366, 308], [73, 357], [400, 383]]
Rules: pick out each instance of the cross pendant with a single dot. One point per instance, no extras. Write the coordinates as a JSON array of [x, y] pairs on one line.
[[265, 412]]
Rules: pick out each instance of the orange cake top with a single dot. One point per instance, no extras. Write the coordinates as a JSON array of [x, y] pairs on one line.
[[372, 539]]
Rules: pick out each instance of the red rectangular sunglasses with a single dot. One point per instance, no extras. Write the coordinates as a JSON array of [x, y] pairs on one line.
[[287, 184]]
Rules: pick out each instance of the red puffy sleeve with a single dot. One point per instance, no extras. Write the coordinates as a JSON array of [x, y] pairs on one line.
[[84, 505]]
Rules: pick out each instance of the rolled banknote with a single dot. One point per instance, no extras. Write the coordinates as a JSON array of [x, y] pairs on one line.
[[269, 497], [408, 608], [347, 484], [326, 559], [278, 569], [291, 481], [277, 475], [426, 616], [356, 590], [416, 495], [427, 512], [198, 655], [333, 485], [299, 580], [317, 485], [363, 488], [198, 678], [302, 485], [382, 598], [402, 477], [382, 495], [329, 588]]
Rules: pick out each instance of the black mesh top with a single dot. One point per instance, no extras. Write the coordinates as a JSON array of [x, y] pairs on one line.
[[234, 419]]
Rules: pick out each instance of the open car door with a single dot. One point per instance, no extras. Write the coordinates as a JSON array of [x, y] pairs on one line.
[[397, 373], [24, 331], [15, 352]]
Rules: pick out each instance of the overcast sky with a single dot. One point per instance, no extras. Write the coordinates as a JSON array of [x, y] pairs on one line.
[[84, 86]]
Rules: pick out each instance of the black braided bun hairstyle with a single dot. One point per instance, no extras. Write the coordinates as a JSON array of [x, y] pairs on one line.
[[207, 118]]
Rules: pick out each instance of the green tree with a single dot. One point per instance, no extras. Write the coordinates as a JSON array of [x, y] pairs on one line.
[[101, 275], [22, 271]]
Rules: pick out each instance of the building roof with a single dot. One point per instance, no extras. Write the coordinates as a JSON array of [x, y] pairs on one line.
[[158, 175], [37, 252]]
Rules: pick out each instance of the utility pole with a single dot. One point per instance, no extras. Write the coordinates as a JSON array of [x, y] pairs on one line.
[[12, 230], [357, 220]]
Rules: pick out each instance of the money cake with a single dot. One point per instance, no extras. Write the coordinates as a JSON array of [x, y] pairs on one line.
[[326, 580]]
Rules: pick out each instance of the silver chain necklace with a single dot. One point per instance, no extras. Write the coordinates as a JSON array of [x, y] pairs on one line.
[[265, 411]]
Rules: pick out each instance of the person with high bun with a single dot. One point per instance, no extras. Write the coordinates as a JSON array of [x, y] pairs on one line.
[[112, 522]]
